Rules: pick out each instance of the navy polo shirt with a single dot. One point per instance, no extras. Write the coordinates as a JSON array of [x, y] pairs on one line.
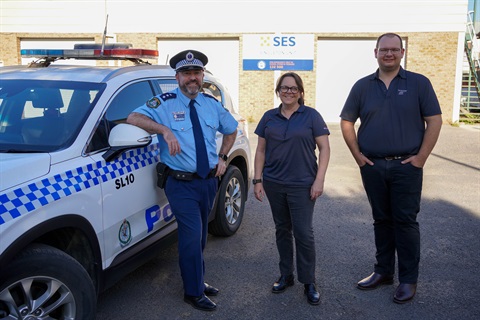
[[290, 157], [391, 120]]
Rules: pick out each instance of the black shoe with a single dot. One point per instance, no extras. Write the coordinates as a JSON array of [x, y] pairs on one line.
[[201, 303], [405, 292], [313, 297], [282, 283], [374, 280], [209, 290]]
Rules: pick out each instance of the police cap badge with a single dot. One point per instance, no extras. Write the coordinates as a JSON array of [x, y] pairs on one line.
[[188, 60]]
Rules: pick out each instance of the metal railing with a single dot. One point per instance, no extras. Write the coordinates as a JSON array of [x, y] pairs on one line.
[[470, 108]]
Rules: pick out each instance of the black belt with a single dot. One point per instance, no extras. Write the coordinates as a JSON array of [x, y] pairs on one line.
[[390, 158], [189, 176]]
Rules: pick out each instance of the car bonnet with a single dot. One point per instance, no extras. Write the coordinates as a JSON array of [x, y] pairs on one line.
[[18, 168]]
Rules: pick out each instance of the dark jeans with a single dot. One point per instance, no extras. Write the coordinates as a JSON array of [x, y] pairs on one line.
[[292, 212], [394, 192]]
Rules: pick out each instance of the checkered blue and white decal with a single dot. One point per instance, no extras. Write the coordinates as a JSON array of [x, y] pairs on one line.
[[21, 201]]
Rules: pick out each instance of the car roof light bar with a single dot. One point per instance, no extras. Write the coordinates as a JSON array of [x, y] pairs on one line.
[[90, 53], [129, 53], [93, 53]]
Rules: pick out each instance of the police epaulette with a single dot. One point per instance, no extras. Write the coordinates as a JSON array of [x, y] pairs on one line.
[[209, 96], [168, 95]]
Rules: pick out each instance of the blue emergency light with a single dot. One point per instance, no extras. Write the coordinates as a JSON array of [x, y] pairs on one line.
[[93, 51]]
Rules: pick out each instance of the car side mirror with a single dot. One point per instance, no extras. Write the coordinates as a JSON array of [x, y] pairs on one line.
[[124, 137]]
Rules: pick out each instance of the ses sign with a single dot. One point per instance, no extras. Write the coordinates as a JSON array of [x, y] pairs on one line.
[[266, 52]]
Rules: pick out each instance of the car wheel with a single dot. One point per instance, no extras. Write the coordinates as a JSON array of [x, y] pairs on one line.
[[230, 204], [46, 283]]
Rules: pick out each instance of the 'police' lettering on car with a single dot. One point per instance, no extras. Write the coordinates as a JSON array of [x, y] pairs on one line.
[[153, 215]]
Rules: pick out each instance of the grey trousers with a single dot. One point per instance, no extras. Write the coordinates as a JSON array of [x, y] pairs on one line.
[[292, 212]]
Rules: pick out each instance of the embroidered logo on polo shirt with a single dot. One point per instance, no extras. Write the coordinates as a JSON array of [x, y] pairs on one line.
[[402, 92]]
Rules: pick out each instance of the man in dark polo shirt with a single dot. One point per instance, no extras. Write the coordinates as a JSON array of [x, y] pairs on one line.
[[400, 123]]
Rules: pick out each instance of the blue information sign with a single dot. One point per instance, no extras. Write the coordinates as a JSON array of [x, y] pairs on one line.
[[263, 65]]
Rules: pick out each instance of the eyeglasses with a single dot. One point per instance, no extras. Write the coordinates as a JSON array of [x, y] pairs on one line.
[[284, 89], [384, 51]]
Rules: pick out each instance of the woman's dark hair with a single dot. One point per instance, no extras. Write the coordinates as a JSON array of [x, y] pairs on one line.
[[298, 82]]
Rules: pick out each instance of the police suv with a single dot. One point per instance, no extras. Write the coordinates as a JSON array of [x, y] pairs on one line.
[[79, 202]]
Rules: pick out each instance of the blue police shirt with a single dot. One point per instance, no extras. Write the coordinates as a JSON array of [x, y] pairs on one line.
[[290, 157], [391, 120], [171, 109]]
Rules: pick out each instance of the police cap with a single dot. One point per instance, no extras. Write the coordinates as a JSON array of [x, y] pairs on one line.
[[188, 60]]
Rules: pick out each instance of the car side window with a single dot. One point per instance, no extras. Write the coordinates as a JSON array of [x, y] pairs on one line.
[[213, 90], [128, 99], [167, 85]]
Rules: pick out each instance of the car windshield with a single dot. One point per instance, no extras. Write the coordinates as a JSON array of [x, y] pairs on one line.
[[43, 116]]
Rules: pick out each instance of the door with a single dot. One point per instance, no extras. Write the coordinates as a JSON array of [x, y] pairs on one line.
[[340, 63], [134, 208]]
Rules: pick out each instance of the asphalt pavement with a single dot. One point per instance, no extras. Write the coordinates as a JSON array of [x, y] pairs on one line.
[[245, 265]]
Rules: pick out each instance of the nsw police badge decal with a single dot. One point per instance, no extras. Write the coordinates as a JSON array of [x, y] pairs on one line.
[[153, 103], [125, 233]]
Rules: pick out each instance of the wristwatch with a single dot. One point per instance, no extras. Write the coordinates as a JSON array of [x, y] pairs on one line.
[[255, 181], [223, 156]]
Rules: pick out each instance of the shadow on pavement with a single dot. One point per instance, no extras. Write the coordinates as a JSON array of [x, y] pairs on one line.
[[244, 266]]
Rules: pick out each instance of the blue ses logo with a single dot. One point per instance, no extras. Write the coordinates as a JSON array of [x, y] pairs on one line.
[[278, 41]]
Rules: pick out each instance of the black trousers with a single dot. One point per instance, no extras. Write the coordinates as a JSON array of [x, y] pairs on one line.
[[292, 211], [394, 192]]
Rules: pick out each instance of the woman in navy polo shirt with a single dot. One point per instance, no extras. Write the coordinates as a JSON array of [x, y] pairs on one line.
[[288, 173]]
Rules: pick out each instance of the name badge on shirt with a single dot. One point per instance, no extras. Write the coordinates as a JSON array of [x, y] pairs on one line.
[[179, 116]]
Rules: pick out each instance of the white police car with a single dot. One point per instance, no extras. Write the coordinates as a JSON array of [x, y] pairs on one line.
[[79, 206]]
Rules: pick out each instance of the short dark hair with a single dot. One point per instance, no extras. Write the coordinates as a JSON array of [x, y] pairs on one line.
[[390, 35], [298, 82]]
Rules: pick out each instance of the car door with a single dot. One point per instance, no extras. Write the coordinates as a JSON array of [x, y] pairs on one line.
[[134, 208]]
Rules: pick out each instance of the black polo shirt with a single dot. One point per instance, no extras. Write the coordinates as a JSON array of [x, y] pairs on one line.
[[290, 157], [391, 121]]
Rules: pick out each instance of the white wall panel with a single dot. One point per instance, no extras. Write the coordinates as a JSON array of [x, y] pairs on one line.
[[340, 63], [236, 16], [223, 59], [52, 16]]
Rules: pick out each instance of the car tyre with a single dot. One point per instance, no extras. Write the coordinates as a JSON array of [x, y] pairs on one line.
[[44, 282], [230, 204]]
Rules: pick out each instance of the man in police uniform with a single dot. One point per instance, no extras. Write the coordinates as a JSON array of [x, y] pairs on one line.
[[177, 117]]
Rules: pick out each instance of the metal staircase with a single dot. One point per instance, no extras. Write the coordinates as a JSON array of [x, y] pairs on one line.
[[470, 102]]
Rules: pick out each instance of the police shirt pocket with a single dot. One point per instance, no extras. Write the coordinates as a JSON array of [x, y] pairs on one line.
[[181, 126], [212, 124]]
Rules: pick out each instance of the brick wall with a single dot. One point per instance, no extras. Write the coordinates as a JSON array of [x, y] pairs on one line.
[[432, 54]]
